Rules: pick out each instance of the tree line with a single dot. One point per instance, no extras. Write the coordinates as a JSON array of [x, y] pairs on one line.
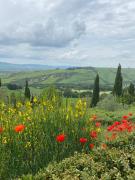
[[124, 95]]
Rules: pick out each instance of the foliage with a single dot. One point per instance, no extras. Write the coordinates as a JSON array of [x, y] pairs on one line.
[[127, 99], [103, 96], [27, 90], [13, 86], [99, 164], [68, 93], [2, 94], [0, 82], [95, 97], [117, 90], [131, 89], [110, 103]]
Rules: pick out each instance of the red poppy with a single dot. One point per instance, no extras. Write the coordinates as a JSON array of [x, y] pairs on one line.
[[129, 128], [97, 124], [124, 121], [83, 140], [60, 138], [116, 123], [125, 117], [110, 128], [19, 128], [124, 125], [1, 129], [130, 114], [91, 146], [93, 134]]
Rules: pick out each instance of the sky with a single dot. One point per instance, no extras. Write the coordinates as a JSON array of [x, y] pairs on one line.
[[68, 32]]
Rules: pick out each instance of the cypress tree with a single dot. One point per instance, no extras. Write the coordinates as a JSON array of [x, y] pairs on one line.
[[0, 82], [131, 89], [95, 96], [117, 90], [27, 90]]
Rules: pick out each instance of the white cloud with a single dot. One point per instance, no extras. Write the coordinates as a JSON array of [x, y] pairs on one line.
[[90, 32]]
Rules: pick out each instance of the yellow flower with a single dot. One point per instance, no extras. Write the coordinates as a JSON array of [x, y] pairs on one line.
[[35, 100], [28, 104], [98, 129], [4, 140], [19, 105], [3, 105]]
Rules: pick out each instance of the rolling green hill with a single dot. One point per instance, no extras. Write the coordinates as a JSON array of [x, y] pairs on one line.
[[74, 77]]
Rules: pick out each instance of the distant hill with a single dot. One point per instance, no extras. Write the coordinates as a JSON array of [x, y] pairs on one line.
[[72, 77], [25, 67]]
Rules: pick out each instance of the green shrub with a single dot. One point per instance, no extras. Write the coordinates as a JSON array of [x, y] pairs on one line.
[[109, 103], [13, 86], [102, 164]]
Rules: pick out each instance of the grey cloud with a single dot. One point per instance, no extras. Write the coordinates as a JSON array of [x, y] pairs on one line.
[[40, 34], [86, 31]]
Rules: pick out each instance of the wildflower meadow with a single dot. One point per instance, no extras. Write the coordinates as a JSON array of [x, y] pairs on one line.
[[52, 128]]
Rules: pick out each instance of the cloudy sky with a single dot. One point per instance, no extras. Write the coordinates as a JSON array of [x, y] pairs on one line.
[[68, 32]]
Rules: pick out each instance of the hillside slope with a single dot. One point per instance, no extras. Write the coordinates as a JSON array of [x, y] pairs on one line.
[[72, 76]]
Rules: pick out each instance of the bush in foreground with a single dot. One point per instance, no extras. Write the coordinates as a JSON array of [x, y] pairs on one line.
[[106, 164]]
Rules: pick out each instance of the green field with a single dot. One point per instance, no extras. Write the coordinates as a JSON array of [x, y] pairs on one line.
[[82, 78]]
